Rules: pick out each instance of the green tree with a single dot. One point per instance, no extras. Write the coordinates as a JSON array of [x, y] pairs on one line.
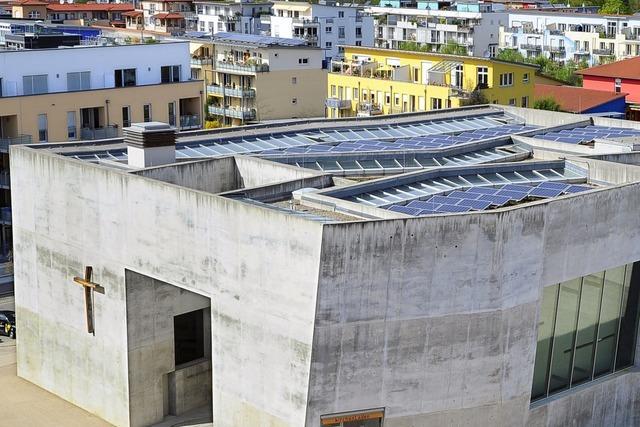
[[511, 55], [549, 104], [477, 97], [453, 48], [615, 7]]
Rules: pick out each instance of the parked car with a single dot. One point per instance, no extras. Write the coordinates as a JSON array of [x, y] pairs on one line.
[[8, 323]]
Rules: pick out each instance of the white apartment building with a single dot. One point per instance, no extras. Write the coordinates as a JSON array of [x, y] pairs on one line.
[[586, 37], [231, 17], [432, 28], [325, 26]]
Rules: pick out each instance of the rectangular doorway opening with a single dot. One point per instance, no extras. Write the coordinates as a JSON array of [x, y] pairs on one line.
[[188, 337]]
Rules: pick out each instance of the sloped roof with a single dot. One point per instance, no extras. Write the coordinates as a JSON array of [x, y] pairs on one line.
[[575, 99], [625, 69], [89, 7]]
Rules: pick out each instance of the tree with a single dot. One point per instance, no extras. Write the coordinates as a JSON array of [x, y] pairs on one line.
[[453, 48], [615, 7], [477, 97], [510, 55], [549, 104]]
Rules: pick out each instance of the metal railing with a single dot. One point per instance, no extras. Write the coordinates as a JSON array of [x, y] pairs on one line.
[[233, 92], [242, 68], [14, 140], [189, 121], [604, 52], [201, 61], [529, 46], [338, 103], [555, 49], [99, 133], [237, 113]]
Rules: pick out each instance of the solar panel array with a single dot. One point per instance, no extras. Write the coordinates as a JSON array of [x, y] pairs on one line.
[[482, 198], [585, 134], [219, 147], [387, 163], [419, 190], [415, 143]]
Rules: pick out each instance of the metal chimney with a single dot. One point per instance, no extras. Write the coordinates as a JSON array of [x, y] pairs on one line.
[[150, 144]]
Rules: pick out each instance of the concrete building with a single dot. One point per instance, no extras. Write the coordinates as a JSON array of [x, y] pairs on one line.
[[325, 26], [561, 36], [490, 279], [372, 81], [173, 17], [258, 78], [93, 92], [228, 17]]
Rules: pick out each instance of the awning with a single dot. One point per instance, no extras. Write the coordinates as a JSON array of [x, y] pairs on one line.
[[444, 66]]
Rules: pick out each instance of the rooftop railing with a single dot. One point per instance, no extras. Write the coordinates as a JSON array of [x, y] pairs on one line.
[[105, 132], [242, 67], [14, 140], [189, 121]]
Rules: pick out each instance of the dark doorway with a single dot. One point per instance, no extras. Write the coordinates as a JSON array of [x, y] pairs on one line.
[[188, 335]]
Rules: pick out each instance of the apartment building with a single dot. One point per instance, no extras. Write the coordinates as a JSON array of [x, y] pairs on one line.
[[373, 81], [257, 78], [593, 38], [87, 93], [328, 27], [228, 17], [429, 28], [162, 16]]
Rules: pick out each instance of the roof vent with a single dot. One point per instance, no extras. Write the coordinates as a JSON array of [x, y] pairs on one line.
[[150, 144]]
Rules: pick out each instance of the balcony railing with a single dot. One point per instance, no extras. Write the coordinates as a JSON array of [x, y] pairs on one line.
[[369, 109], [189, 121], [529, 46], [233, 92], [338, 103], [603, 52], [201, 61], [5, 180], [236, 113], [14, 140], [555, 49], [242, 67], [306, 22], [99, 133]]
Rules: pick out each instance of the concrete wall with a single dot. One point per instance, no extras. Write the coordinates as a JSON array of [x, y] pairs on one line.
[[151, 307], [68, 214], [211, 175], [190, 387], [255, 172], [435, 318]]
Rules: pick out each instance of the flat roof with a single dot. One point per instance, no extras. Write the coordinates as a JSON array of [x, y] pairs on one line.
[[254, 40]]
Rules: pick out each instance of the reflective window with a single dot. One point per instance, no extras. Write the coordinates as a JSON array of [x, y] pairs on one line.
[[587, 329]]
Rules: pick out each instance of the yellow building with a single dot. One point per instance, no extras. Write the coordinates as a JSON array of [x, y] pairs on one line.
[[374, 81]]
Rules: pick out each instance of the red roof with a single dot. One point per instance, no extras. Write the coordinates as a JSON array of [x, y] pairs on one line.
[[90, 7], [625, 69], [133, 13], [575, 99], [29, 3], [168, 15]]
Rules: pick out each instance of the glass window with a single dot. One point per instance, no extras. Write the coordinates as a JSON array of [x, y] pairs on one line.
[[126, 77], [33, 85], [71, 124], [587, 328], [43, 132], [126, 116], [172, 113], [170, 74], [146, 112], [79, 81], [483, 77]]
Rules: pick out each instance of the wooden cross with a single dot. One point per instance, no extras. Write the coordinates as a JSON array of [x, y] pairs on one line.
[[89, 287]]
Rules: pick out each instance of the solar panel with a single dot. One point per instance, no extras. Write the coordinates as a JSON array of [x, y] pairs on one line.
[[482, 190], [452, 208], [495, 200], [462, 195], [554, 185], [513, 195], [474, 204], [442, 199], [545, 192], [423, 205], [516, 187], [577, 189], [404, 209]]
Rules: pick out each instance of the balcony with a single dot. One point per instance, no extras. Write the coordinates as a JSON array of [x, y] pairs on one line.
[[632, 37], [14, 140], [189, 121], [241, 68], [5, 181], [201, 61], [106, 132], [603, 52], [229, 18], [555, 49], [531, 47], [458, 92], [368, 109], [305, 22], [229, 91], [340, 104], [236, 113]]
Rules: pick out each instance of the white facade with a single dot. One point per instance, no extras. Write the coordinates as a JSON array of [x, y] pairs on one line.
[[221, 17], [17, 68], [434, 28], [327, 27], [561, 36]]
